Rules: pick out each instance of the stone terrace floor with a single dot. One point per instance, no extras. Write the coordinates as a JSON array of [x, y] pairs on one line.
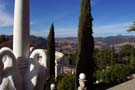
[[129, 85]]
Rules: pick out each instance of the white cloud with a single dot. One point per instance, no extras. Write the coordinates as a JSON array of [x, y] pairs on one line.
[[59, 32], [112, 29], [66, 32], [6, 18], [99, 31]]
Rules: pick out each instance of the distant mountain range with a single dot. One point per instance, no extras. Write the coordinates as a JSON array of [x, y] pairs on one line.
[[100, 42], [117, 41], [37, 42], [106, 42]]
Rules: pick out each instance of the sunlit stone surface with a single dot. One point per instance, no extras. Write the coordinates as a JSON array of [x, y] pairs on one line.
[[59, 63]]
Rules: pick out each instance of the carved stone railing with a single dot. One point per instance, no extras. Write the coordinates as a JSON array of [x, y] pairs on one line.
[[10, 75]]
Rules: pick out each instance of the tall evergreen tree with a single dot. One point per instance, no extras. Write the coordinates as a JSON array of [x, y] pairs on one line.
[[85, 44], [51, 52], [3, 38]]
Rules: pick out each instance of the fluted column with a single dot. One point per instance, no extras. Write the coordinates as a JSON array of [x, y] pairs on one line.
[[21, 31]]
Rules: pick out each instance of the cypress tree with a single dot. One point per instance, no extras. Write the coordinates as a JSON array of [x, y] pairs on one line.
[[85, 45], [2, 38], [51, 52]]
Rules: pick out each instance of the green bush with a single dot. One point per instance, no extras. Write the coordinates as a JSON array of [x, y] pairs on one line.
[[66, 83], [104, 58], [114, 73]]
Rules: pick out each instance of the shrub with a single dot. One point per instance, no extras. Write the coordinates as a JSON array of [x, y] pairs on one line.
[[66, 83], [114, 73]]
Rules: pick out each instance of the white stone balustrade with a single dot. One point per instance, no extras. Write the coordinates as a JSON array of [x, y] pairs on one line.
[[9, 73]]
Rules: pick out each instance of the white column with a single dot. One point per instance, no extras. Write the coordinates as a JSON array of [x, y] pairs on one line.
[[56, 68], [21, 35]]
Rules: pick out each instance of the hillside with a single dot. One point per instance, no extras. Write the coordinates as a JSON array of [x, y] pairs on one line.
[[37, 42], [117, 41], [69, 45]]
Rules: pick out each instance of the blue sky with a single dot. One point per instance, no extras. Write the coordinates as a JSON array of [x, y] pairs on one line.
[[111, 17]]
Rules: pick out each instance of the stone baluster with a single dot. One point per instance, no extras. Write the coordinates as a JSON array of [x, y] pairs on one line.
[[82, 80], [52, 87]]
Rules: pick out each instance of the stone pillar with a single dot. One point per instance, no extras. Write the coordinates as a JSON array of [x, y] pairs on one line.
[[21, 31], [21, 37]]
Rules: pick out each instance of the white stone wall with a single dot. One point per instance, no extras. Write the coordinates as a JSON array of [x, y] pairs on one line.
[[59, 61]]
